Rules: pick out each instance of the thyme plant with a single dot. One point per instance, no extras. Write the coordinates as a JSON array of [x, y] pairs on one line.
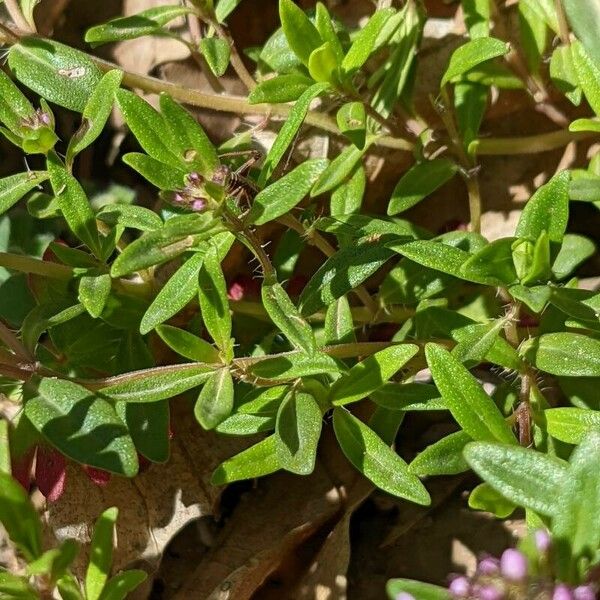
[[108, 280]]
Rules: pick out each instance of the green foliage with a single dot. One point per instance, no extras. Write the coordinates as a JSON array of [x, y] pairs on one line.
[[123, 302]]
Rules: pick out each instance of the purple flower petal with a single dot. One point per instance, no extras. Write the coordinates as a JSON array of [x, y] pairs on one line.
[[513, 565], [562, 592], [543, 541], [584, 592], [460, 587]]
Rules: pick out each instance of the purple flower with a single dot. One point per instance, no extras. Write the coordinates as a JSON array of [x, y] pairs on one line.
[[460, 587], [584, 592], [562, 592], [178, 197], [543, 541], [488, 566], [405, 596], [513, 565], [198, 205], [194, 178], [489, 592]]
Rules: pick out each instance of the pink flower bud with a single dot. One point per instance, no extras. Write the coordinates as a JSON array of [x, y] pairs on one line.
[[488, 566], [50, 473], [513, 565], [584, 592], [45, 118], [198, 205], [488, 592], [460, 587], [404, 596], [562, 592], [543, 541], [21, 468], [178, 197], [194, 178]]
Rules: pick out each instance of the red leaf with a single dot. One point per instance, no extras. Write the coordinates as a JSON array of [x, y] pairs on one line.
[[50, 473], [98, 476]]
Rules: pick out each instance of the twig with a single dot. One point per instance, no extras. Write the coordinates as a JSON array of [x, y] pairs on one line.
[[16, 14], [236, 60]]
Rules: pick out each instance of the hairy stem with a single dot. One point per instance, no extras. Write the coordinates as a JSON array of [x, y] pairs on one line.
[[16, 14]]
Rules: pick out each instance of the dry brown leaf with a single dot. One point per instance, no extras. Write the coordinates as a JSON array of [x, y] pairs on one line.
[[155, 505], [266, 528]]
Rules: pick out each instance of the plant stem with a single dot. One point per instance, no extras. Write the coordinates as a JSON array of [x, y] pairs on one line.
[[563, 25], [16, 14], [236, 60], [360, 314], [469, 170], [11, 341], [531, 144]]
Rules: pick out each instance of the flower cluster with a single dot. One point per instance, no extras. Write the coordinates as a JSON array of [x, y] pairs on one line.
[[514, 577]]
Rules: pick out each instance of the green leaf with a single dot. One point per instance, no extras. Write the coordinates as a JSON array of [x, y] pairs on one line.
[[584, 18], [420, 181], [148, 127], [347, 197], [215, 401], [290, 128], [339, 326], [408, 396], [178, 235], [56, 72], [82, 426], [15, 108], [563, 73], [148, 424], [284, 194], [344, 271], [13, 587], [224, 8], [470, 103], [571, 425], [525, 477], [69, 588], [564, 353], [5, 466], [366, 40], [135, 217], [283, 88], [101, 551], [159, 174], [263, 401], [245, 424], [301, 34], [493, 263], [588, 75], [93, 293], [417, 589], [574, 250], [433, 254], [534, 298], [119, 586], [217, 53], [472, 408], [294, 365], [95, 114], [175, 294], [160, 383], [297, 434], [575, 526], [547, 210], [352, 122], [187, 344], [147, 22], [27, 7], [371, 373], [328, 30], [192, 145], [74, 204], [444, 457], [485, 497], [323, 64], [585, 188], [477, 17], [471, 54], [19, 518], [14, 187], [257, 461], [214, 304], [339, 169], [585, 125], [375, 460], [285, 315], [54, 562]]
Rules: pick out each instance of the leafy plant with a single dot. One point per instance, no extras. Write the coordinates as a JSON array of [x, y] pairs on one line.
[[129, 308]]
